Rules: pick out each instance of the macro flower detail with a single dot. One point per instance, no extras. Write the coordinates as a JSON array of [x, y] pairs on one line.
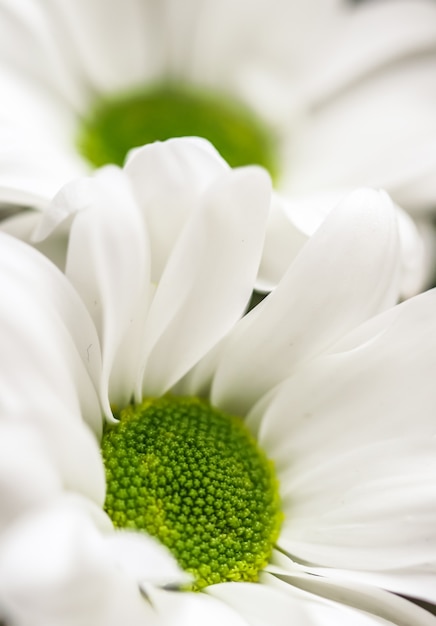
[[332, 381], [193, 477]]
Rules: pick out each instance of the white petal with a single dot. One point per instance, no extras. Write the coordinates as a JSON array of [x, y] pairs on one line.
[[306, 214], [209, 277], [283, 241], [24, 485], [68, 444], [261, 605], [258, 70], [108, 263], [346, 273], [272, 601], [368, 37], [24, 224], [144, 558], [43, 63], [380, 133], [168, 179], [352, 435], [192, 609], [55, 570], [52, 347], [115, 46], [372, 606]]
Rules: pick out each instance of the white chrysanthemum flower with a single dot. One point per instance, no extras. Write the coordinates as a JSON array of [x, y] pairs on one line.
[[285, 457], [327, 94]]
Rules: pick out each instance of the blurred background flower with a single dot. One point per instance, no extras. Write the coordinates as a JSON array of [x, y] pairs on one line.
[[327, 94]]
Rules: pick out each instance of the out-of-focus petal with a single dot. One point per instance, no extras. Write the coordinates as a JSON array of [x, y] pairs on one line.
[[52, 354], [56, 570]]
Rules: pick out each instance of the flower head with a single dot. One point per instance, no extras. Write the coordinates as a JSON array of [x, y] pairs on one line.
[[318, 403]]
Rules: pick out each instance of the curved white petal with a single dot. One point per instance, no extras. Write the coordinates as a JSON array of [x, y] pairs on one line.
[[283, 241], [27, 477], [369, 37], [381, 133], [25, 224], [114, 46], [346, 273], [272, 601], [228, 55], [168, 179], [372, 605], [43, 63], [307, 212], [52, 349], [352, 436], [209, 277], [144, 558], [68, 445], [56, 570], [192, 609], [107, 262]]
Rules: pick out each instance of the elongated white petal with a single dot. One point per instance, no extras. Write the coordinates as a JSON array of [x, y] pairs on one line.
[[27, 478], [209, 277], [258, 70], [381, 133], [66, 443], [143, 557], [112, 54], [43, 63], [25, 224], [275, 602], [193, 609], [316, 302], [356, 447], [372, 605], [51, 343], [283, 241], [168, 178], [369, 37], [411, 583], [55, 570], [107, 262], [306, 214]]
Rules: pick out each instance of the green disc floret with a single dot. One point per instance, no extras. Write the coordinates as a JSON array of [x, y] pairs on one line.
[[194, 478], [116, 125]]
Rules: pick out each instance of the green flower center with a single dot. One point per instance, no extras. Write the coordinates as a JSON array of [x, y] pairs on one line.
[[173, 110], [194, 478]]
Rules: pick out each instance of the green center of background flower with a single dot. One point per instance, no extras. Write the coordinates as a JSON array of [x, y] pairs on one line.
[[172, 110], [194, 478]]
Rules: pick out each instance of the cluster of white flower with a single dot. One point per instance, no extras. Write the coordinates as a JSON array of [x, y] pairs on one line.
[[217, 391]]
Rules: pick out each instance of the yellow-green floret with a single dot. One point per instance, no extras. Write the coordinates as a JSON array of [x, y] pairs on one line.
[[116, 125], [194, 478]]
